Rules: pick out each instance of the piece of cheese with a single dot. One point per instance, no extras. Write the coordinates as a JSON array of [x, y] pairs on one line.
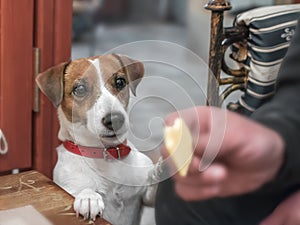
[[178, 142]]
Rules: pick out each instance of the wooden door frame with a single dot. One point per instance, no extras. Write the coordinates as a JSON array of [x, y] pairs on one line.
[[53, 36]]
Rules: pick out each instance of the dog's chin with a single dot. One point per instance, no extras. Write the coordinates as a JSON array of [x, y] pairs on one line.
[[112, 139]]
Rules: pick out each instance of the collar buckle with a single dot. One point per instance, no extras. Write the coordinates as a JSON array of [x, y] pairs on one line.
[[105, 154], [118, 152]]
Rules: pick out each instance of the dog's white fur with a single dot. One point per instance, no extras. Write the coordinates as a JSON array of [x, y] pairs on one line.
[[89, 136], [116, 189]]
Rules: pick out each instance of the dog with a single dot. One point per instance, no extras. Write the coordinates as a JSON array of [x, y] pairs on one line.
[[96, 164]]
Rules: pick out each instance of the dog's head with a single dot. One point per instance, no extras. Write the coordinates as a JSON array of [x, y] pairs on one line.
[[93, 94]]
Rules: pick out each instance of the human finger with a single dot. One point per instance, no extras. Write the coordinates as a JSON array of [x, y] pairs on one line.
[[273, 219], [194, 193], [214, 174], [286, 213], [196, 118]]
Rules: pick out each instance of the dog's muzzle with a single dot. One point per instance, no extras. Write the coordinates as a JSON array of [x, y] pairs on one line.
[[113, 121]]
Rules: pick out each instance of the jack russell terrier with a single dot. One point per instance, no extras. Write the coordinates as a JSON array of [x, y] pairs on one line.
[[106, 174]]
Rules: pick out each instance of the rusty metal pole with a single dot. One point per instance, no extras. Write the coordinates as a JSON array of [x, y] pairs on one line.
[[216, 50]]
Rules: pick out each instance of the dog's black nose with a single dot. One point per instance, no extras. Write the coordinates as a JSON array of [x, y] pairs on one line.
[[113, 121]]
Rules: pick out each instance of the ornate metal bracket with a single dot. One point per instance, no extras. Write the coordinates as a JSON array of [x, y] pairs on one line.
[[220, 40]]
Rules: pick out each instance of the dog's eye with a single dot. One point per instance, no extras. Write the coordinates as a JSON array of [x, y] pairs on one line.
[[80, 90], [120, 83]]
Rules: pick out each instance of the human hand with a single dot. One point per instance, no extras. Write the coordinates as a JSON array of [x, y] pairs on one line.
[[286, 213], [246, 154]]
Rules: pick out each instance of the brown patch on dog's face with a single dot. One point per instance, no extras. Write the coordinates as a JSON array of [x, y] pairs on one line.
[[81, 90], [120, 73], [134, 70], [115, 78]]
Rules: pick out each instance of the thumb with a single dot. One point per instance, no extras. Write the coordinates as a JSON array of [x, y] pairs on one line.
[[272, 220]]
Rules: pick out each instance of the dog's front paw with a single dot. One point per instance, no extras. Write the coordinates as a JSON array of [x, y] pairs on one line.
[[89, 204]]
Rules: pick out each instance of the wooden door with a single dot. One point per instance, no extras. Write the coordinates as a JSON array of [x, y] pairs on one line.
[[26, 25], [16, 62]]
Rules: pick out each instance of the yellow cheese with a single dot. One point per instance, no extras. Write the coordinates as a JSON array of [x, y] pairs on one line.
[[178, 142]]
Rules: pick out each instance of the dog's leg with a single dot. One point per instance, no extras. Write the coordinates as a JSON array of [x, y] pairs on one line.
[[149, 196], [154, 177], [89, 204]]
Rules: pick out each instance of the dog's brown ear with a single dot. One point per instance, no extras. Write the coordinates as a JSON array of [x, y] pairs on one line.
[[135, 71], [51, 83]]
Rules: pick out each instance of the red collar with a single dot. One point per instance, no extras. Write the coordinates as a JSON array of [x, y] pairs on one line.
[[118, 152]]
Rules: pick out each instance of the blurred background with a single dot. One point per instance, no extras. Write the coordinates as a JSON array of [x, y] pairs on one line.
[[179, 31], [175, 60], [99, 25]]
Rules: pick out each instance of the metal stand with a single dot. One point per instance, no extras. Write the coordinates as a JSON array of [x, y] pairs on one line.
[[216, 50]]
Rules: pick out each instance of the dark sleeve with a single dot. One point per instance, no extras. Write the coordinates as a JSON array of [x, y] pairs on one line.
[[282, 113]]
